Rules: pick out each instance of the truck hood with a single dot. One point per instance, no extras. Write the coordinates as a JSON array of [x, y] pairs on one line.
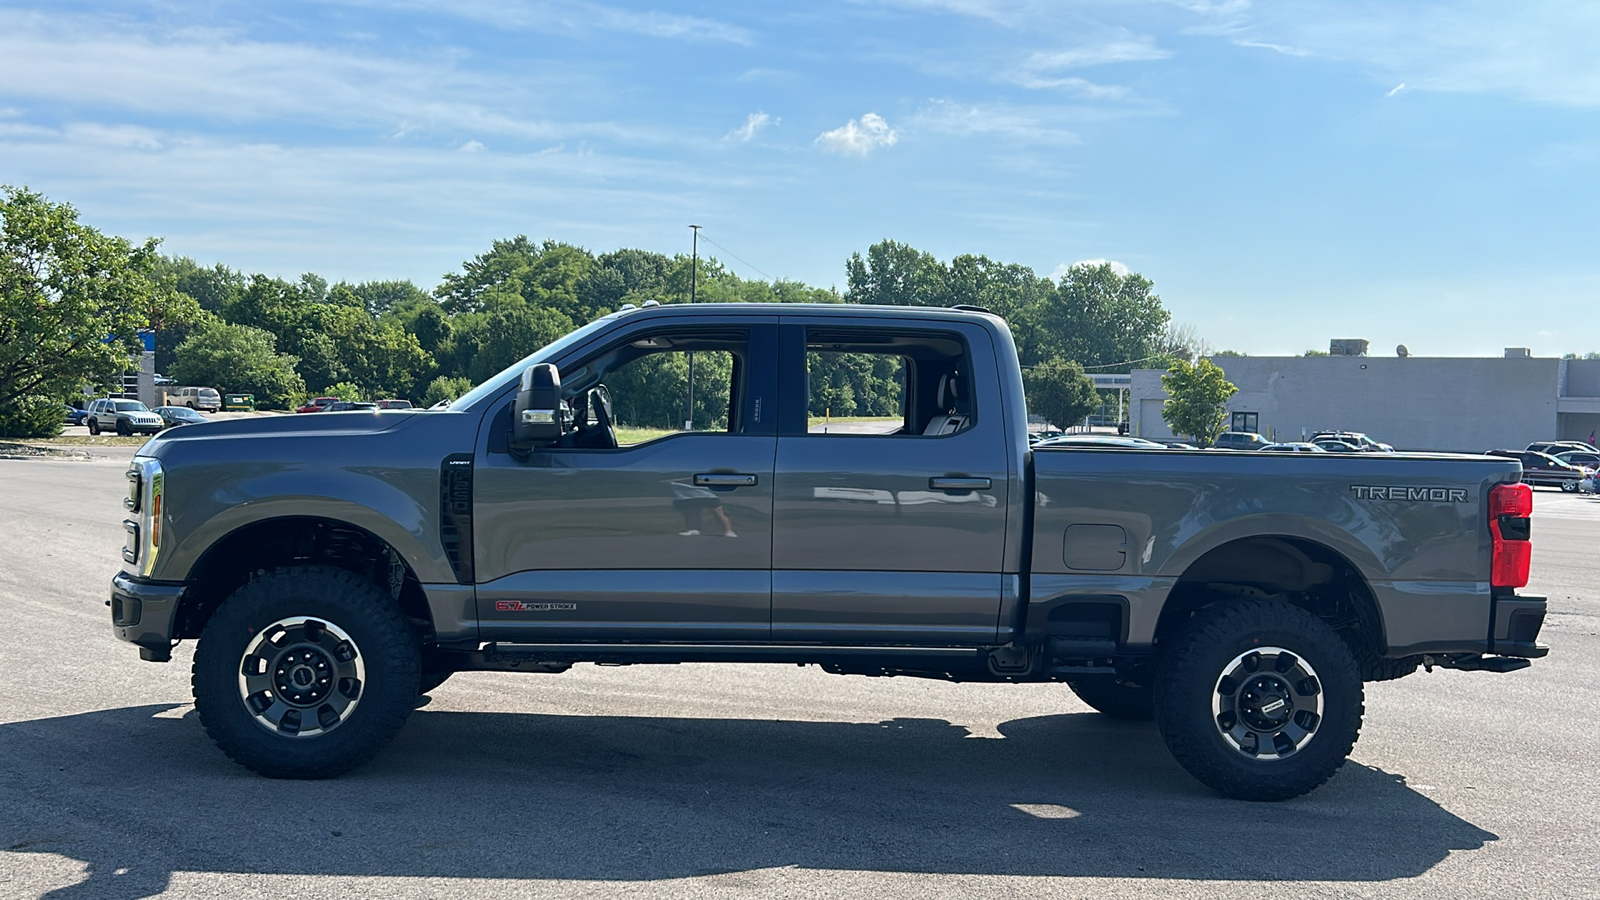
[[327, 423]]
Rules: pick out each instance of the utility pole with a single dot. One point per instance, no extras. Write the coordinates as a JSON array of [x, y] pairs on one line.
[[694, 277]]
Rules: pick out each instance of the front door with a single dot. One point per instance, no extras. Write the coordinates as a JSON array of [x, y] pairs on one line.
[[891, 485], [665, 535]]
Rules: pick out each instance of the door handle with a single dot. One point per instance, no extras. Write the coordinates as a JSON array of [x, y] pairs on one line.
[[724, 480], [958, 484]]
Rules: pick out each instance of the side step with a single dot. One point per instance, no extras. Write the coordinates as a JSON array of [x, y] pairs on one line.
[[505, 655]]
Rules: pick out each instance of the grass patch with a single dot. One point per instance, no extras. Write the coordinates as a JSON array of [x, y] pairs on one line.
[[823, 420], [87, 440], [629, 434]]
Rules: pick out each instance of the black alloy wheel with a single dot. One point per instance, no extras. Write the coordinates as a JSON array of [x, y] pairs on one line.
[[1260, 700], [306, 672]]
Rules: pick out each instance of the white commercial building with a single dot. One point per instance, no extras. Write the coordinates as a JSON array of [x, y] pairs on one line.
[[1414, 403]]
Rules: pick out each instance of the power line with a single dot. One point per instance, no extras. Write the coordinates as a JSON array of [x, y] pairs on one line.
[[731, 253]]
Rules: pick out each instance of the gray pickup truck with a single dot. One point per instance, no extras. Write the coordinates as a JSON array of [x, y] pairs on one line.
[[337, 567]]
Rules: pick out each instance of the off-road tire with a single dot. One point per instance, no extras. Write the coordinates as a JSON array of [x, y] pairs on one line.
[[347, 603], [1216, 644], [1116, 698]]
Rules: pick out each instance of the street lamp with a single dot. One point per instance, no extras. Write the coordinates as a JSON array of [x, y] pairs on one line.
[[694, 277]]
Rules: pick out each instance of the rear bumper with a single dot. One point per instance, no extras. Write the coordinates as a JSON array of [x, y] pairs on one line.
[[142, 613], [1515, 631]]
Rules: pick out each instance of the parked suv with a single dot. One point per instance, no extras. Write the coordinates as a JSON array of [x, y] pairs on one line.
[[196, 398], [122, 416], [1542, 468], [1355, 439], [1555, 447], [1240, 440]]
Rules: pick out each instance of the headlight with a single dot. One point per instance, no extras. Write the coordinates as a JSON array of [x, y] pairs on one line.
[[146, 489]]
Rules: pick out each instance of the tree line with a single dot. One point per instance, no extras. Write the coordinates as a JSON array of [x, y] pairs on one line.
[[64, 288]]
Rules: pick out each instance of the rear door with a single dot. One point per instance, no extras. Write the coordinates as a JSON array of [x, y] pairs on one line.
[[890, 498]]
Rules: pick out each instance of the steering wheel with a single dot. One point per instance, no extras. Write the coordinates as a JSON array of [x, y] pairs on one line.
[[602, 435]]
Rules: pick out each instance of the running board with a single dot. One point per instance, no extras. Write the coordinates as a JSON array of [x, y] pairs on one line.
[[526, 657]]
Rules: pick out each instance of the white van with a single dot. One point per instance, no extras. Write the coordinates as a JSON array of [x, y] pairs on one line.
[[195, 398]]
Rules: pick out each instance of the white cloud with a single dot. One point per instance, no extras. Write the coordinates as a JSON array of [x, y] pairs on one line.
[[567, 16], [1046, 70], [859, 137], [1042, 123], [1395, 90], [217, 76], [1063, 269], [472, 147], [753, 124]]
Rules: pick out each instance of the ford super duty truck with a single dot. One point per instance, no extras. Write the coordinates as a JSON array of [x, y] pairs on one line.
[[334, 568]]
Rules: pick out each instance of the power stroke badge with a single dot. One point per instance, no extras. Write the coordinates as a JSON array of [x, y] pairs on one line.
[[529, 606]]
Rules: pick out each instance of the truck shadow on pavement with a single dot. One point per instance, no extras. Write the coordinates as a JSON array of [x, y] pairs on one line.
[[139, 793]]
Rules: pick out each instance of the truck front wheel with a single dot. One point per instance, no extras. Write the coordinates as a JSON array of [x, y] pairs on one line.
[[1115, 698], [305, 672], [1260, 700]]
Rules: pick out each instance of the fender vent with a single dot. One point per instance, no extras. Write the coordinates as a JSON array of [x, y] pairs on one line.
[[455, 514]]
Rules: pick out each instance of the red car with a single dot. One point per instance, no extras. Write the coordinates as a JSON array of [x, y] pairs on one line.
[[318, 404]]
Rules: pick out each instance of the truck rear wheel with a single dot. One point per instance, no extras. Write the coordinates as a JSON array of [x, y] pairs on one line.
[[1117, 699], [305, 672], [1260, 700]]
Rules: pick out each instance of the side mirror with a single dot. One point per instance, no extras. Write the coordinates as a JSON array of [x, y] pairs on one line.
[[539, 416]]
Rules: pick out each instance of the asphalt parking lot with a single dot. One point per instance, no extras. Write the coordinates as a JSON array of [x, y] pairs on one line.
[[767, 781]]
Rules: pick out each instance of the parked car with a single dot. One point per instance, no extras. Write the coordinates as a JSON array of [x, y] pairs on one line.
[[196, 398], [75, 416], [1177, 445], [1555, 447], [179, 415], [349, 405], [1099, 442], [317, 404], [1240, 440], [1579, 458], [394, 404], [1356, 439], [1293, 447], [1542, 468], [1335, 446], [125, 417]]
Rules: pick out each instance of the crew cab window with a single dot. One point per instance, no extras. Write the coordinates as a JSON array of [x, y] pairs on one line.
[[903, 383], [660, 384]]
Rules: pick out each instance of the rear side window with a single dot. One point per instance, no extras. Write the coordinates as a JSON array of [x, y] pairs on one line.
[[886, 382]]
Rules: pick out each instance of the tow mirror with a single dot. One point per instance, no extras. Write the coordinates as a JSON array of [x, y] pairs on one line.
[[539, 416]]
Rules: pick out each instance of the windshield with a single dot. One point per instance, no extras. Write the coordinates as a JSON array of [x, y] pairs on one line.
[[131, 406], [543, 354]]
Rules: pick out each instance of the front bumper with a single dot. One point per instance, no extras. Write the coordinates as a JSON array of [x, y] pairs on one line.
[[142, 613]]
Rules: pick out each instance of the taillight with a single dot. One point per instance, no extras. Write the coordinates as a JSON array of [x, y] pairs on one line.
[[1510, 506]]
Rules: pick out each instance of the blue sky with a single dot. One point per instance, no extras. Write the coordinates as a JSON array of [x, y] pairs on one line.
[[1284, 172]]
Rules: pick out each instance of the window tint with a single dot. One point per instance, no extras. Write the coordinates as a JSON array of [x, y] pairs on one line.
[[872, 382], [131, 406]]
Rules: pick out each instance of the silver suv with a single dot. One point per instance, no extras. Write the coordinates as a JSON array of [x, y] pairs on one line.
[[1240, 440], [122, 416]]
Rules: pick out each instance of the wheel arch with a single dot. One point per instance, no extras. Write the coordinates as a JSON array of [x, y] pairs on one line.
[[1293, 568], [286, 541]]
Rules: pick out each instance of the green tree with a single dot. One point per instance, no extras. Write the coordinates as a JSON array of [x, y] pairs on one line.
[[895, 274], [72, 303], [241, 359], [445, 388], [1101, 318], [344, 390], [1197, 397], [1059, 391]]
